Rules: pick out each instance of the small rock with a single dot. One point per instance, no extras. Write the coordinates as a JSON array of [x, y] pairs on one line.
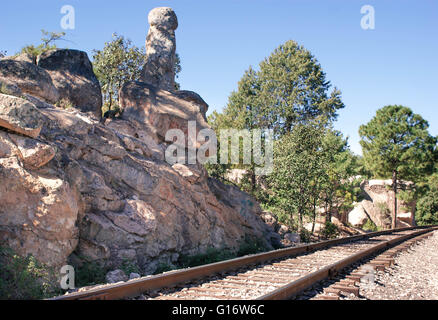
[[116, 276], [134, 275]]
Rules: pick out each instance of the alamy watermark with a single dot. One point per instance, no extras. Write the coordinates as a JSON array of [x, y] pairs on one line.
[[251, 146], [68, 20], [67, 277], [368, 21]]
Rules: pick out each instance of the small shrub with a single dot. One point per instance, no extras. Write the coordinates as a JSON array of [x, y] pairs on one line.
[[305, 235], [129, 267], [164, 267], [24, 278], [251, 246], [90, 273], [210, 256], [370, 226], [330, 230]]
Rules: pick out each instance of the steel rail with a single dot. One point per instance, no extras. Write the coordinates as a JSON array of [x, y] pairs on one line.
[[290, 290], [139, 286]]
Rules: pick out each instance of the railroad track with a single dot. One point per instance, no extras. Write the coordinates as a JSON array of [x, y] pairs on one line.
[[275, 275]]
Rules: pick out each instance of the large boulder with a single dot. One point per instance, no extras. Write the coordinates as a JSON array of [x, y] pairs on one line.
[[29, 78], [20, 116], [378, 205], [358, 216], [160, 109], [159, 69], [73, 77], [195, 98]]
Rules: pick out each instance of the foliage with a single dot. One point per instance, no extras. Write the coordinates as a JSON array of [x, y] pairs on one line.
[[370, 226], [210, 256], [289, 88], [2, 53], [164, 267], [427, 205], [24, 278], [397, 140], [118, 62], [330, 230], [251, 246], [305, 236], [396, 143], [247, 246], [48, 40], [299, 169], [129, 267], [90, 273]]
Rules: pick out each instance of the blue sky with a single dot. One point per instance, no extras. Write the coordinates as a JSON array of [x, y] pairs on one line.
[[396, 63]]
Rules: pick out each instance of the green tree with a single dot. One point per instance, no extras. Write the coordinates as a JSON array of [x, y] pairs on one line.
[[48, 40], [427, 205], [118, 62], [396, 143], [298, 168], [339, 188], [293, 88], [289, 88]]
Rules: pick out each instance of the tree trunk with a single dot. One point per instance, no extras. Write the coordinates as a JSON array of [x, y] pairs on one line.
[[253, 180], [314, 215], [394, 212]]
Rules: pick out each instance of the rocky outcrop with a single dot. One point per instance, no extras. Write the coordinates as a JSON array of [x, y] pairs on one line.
[[72, 74], [108, 189], [29, 78], [160, 109], [378, 203], [75, 189], [159, 69]]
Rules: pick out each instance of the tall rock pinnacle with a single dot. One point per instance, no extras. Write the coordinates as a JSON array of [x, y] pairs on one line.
[[160, 49]]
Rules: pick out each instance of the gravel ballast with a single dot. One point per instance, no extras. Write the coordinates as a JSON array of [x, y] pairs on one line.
[[414, 276]]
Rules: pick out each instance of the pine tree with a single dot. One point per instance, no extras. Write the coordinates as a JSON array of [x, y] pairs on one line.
[[396, 143]]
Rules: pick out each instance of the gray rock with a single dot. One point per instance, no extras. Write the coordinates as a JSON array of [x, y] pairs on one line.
[[73, 76], [159, 68], [292, 237], [9, 88], [29, 78], [116, 276], [134, 275], [20, 116]]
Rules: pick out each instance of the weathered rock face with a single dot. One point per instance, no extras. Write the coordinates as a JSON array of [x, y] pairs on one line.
[[124, 200], [195, 98], [38, 212], [159, 69], [378, 206], [162, 110], [29, 78], [73, 77], [20, 116]]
